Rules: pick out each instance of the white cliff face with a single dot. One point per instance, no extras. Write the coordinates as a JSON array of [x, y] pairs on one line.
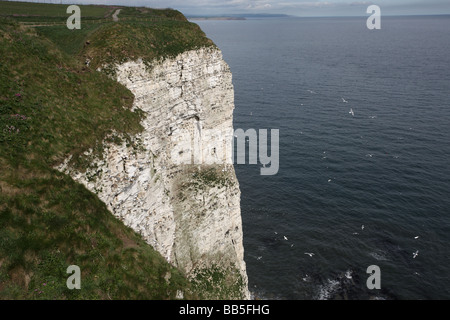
[[178, 189]]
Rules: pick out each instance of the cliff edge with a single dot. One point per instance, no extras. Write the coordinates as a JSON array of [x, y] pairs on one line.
[[136, 117], [174, 183]]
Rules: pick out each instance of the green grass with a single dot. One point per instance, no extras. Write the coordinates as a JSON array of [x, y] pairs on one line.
[[49, 222], [130, 40], [69, 41], [148, 13], [68, 107], [28, 11], [141, 32], [127, 40]]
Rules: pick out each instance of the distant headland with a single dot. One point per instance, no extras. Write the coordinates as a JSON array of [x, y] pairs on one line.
[[236, 16], [216, 18]]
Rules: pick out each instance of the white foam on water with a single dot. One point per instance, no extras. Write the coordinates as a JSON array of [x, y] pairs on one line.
[[348, 274], [326, 290]]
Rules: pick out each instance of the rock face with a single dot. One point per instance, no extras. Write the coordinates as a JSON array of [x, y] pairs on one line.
[[176, 184]]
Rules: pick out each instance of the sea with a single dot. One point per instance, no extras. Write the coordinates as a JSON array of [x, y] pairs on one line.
[[364, 155]]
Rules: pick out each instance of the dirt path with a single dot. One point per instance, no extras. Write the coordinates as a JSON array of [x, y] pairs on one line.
[[115, 15]]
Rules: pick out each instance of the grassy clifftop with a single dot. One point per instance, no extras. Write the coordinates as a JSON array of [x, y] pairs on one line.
[[53, 105], [140, 32], [116, 42]]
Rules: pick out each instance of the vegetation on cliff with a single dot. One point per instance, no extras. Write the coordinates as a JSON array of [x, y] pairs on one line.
[[53, 105]]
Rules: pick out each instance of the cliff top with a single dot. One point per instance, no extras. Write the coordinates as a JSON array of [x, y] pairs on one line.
[[140, 32]]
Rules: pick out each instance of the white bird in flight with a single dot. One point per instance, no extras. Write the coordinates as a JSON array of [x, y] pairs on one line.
[[416, 237], [309, 254], [343, 100], [285, 238], [351, 112], [415, 254]]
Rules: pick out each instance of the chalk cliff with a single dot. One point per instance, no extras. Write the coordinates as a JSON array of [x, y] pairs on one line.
[[175, 184]]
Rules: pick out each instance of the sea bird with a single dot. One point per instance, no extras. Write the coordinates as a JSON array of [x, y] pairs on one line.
[[343, 100], [351, 112], [309, 254], [415, 254]]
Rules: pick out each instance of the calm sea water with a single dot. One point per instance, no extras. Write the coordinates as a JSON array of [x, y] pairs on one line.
[[387, 167]]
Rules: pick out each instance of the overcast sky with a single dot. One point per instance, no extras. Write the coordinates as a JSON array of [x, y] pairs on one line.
[[292, 7]]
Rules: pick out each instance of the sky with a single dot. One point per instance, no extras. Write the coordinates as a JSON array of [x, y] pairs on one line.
[[303, 8]]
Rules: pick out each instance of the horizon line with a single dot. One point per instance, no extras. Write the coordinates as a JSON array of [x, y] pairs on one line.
[[282, 15]]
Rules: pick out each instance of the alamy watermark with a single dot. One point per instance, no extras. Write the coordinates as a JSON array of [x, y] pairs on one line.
[[74, 281], [374, 280], [374, 21], [74, 21], [215, 146]]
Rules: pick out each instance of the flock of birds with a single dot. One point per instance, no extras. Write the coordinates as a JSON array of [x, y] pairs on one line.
[[343, 100], [311, 254], [369, 155], [351, 109]]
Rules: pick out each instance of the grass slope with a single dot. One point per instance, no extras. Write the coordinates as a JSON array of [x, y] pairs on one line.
[[52, 105], [117, 42], [46, 12]]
